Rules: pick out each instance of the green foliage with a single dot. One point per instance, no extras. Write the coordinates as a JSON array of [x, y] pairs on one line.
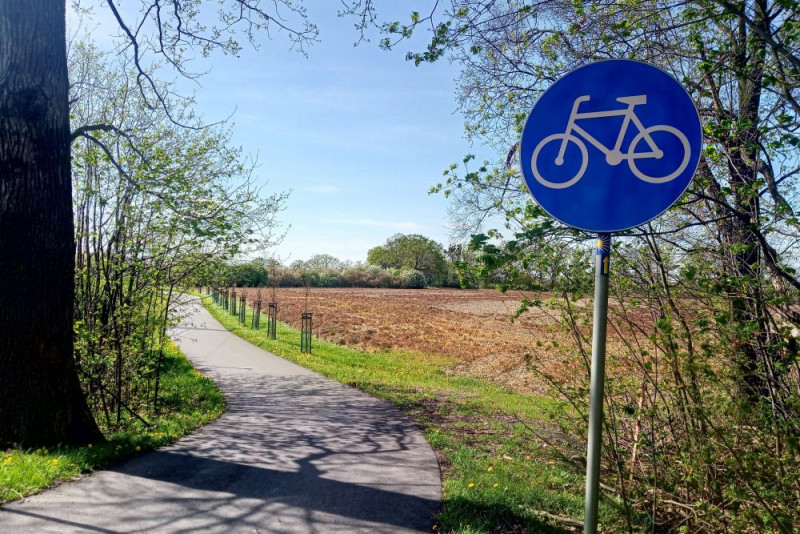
[[156, 205], [413, 252], [189, 401], [324, 261], [249, 274], [531, 262], [413, 279], [357, 276], [461, 264], [319, 271]]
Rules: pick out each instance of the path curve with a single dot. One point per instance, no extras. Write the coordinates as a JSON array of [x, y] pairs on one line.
[[295, 452]]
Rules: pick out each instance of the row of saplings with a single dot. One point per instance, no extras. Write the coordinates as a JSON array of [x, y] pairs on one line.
[[236, 304]]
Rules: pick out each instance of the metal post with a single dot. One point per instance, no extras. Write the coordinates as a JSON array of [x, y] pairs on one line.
[[305, 332], [272, 320], [603, 258], [256, 314]]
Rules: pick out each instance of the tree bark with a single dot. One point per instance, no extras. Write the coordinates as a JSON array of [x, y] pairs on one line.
[[748, 302], [41, 401]]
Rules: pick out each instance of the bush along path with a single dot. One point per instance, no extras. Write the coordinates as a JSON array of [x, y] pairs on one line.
[[295, 452]]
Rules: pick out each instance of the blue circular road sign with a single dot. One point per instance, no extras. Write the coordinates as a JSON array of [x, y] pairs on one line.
[[611, 145]]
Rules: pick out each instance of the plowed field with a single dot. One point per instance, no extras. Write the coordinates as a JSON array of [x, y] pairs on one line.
[[473, 327]]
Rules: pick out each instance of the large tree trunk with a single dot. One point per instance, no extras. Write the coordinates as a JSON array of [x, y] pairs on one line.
[[749, 305], [40, 397]]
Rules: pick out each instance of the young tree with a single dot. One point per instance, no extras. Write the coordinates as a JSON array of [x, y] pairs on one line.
[[155, 205], [40, 401]]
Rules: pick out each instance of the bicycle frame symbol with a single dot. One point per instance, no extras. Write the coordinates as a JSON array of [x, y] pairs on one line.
[[614, 156]]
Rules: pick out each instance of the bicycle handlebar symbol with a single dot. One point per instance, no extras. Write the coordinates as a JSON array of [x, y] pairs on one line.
[[614, 156]]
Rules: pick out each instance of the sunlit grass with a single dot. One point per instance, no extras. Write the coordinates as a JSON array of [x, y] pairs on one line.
[[188, 401], [498, 473]]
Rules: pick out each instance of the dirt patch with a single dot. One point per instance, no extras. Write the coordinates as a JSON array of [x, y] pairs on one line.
[[505, 308], [472, 326]]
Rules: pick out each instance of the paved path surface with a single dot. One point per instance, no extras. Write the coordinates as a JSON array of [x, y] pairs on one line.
[[295, 452]]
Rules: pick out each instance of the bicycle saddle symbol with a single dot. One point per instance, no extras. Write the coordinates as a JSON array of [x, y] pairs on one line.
[[642, 147]]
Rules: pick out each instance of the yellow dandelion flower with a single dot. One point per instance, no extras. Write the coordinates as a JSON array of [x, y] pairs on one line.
[[551, 462], [38, 451], [490, 468], [138, 448], [471, 485], [527, 456], [495, 485], [46, 451], [55, 461]]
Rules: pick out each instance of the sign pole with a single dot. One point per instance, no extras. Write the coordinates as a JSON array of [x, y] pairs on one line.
[[602, 260], [568, 177]]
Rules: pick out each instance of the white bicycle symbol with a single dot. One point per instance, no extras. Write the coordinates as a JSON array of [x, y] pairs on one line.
[[614, 156]]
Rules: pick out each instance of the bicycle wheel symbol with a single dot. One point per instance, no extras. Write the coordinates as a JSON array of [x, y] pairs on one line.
[[645, 154], [647, 149], [555, 141], [670, 141]]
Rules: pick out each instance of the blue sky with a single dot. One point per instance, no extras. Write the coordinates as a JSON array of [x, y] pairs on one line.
[[357, 133]]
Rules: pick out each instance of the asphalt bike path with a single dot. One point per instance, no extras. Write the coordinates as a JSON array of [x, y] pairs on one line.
[[294, 453]]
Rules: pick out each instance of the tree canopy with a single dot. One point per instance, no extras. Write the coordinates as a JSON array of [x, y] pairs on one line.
[[414, 252]]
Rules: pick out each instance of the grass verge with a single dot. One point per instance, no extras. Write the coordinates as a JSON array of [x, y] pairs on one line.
[[498, 473], [188, 401]]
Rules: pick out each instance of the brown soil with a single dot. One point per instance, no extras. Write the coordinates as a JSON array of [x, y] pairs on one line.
[[474, 327]]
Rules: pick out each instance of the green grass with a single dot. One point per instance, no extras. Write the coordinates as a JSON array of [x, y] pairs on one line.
[[498, 473], [189, 400]]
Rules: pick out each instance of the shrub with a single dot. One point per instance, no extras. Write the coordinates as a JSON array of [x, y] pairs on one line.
[[412, 279]]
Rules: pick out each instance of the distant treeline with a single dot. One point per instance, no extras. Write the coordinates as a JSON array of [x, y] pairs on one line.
[[259, 274], [404, 261], [409, 261]]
